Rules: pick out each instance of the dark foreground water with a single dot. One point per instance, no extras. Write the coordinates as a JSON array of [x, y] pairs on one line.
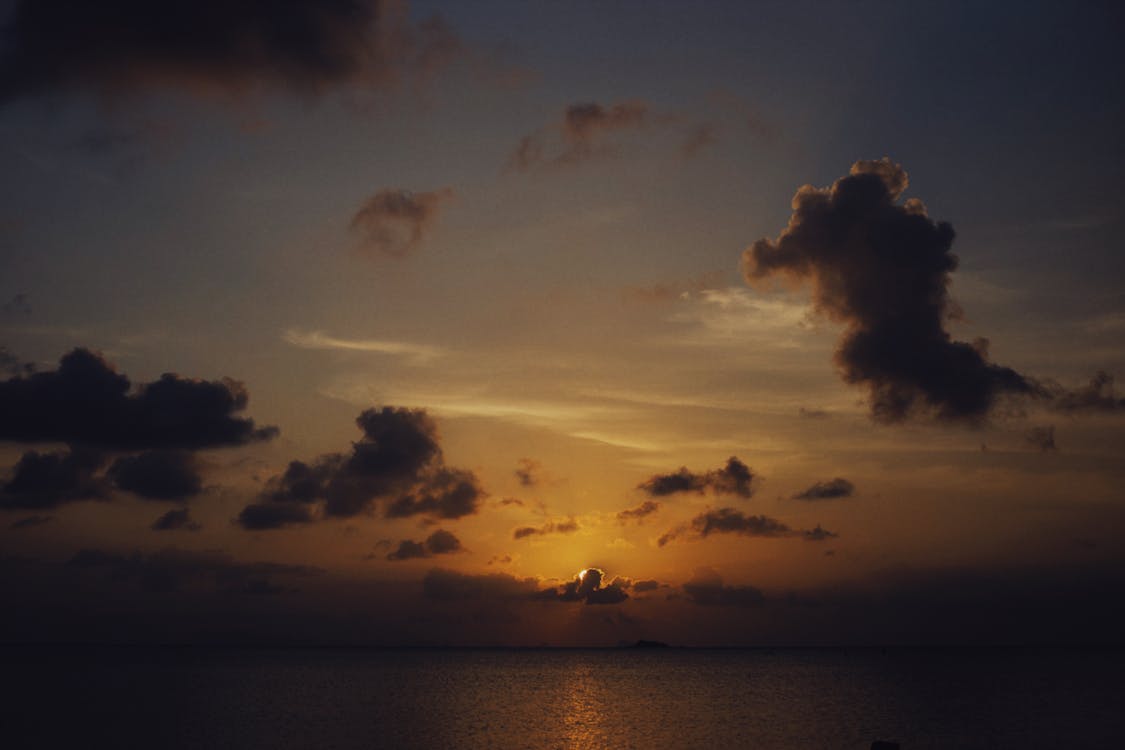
[[358, 698]]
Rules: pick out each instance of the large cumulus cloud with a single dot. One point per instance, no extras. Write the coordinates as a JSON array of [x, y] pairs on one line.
[[87, 402], [882, 268], [397, 462]]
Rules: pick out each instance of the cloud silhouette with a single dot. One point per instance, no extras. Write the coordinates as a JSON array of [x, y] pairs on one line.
[[580, 135], [639, 513], [86, 402], [158, 475], [827, 490], [587, 587], [440, 542], [706, 589], [394, 223], [397, 462], [733, 479], [733, 521], [883, 269], [47, 480], [1042, 438], [529, 472], [175, 520], [115, 47], [562, 527]]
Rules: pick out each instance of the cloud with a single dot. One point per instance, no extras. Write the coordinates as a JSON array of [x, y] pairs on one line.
[[29, 522], [47, 480], [171, 570], [647, 585], [733, 479], [449, 586], [883, 269], [706, 589], [580, 135], [158, 475], [639, 513], [529, 472], [276, 515], [732, 521], [394, 223], [440, 542], [174, 520], [563, 527], [827, 490], [818, 534], [1042, 438], [17, 305], [116, 47], [1097, 396], [86, 402], [419, 353], [398, 460], [587, 587]]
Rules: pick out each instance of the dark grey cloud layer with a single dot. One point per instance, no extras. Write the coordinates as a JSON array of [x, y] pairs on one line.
[[172, 570], [883, 269], [87, 402], [706, 589], [397, 462], [115, 47], [735, 478]]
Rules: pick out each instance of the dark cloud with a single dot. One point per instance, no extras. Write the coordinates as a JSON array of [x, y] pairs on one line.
[[735, 478], [47, 480], [827, 490], [175, 520], [398, 460], [586, 130], [448, 585], [700, 138], [646, 585], [529, 472], [1042, 438], [587, 587], [812, 413], [732, 521], [86, 402], [639, 513], [818, 534], [115, 47], [500, 560], [706, 589], [171, 570], [883, 269], [17, 305], [394, 223], [563, 527], [449, 493], [440, 542], [29, 522], [274, 515], [158, 475], [1097, 396]]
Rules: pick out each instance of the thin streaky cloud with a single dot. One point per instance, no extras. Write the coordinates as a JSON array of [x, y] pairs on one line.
[[321, 340]]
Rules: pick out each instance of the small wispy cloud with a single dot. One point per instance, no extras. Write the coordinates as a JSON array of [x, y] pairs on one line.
[[319, 340]]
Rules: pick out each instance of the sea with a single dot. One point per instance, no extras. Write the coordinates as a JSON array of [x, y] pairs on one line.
[[208, 697]]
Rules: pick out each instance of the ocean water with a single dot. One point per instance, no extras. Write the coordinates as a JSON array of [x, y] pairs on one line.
[[141, 697]]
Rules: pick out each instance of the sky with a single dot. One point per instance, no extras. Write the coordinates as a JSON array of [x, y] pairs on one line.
[[565, 323]]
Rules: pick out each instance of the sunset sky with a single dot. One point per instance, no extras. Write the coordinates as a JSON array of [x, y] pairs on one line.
[[366, 322]]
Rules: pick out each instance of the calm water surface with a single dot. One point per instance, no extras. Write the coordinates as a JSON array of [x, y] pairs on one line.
[[537, 699]]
